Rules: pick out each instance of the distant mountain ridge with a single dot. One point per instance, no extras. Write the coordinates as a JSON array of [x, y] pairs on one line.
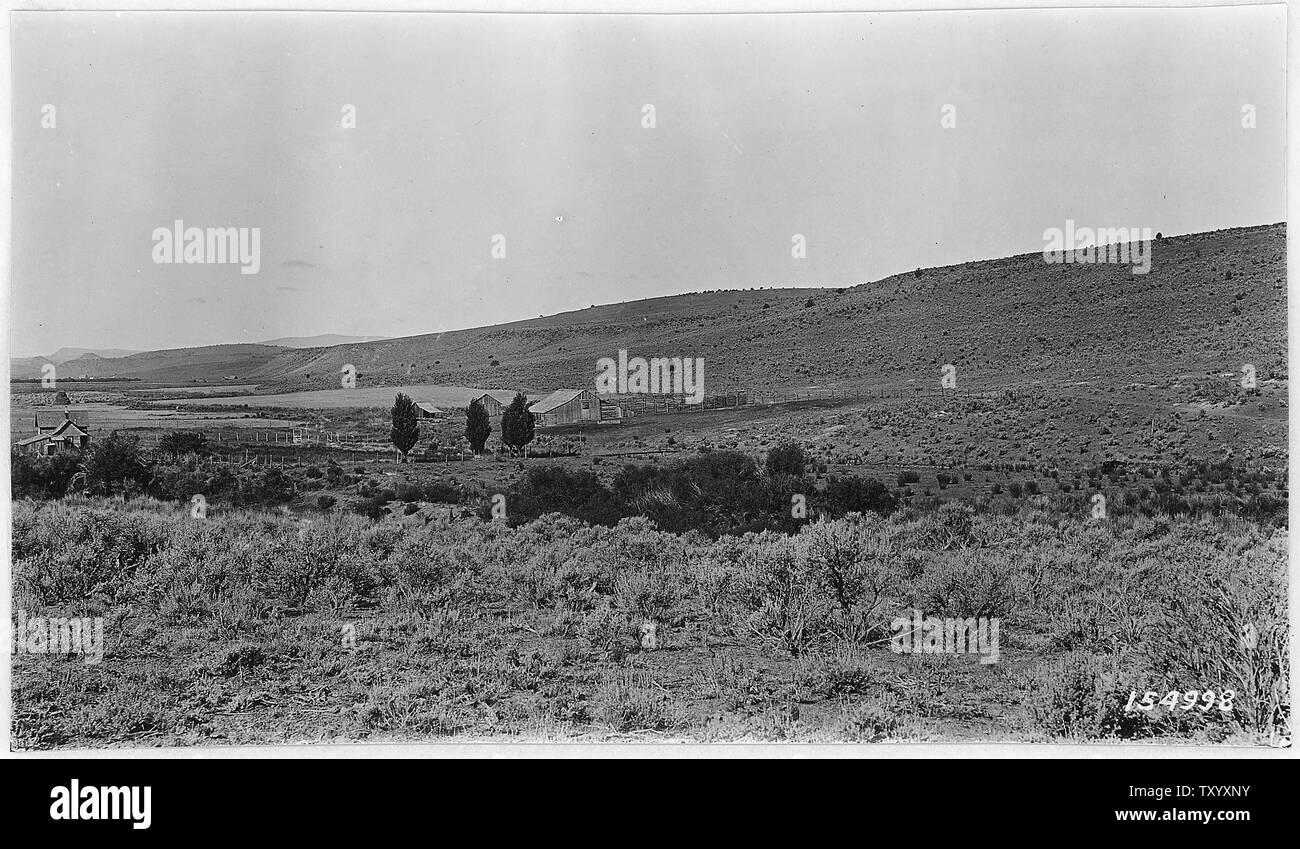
[[63, 355], [321, 340], [82, 359]]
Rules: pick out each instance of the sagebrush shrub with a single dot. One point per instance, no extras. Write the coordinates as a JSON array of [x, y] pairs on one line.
[[609, 633], [973, 583], [871, 719], [634, 703], [777, 586]]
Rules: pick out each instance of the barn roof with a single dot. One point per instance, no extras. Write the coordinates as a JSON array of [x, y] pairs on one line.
[[503, 396], [558, 398], [429, 408]]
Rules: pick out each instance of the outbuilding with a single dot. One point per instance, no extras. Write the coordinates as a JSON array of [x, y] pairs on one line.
[[574, 406], [495, 401]]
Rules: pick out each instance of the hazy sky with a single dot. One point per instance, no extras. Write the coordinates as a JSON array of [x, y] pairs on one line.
[[469, 126]]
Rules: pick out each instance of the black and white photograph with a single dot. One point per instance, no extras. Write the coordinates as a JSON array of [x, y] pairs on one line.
[[900, 380]]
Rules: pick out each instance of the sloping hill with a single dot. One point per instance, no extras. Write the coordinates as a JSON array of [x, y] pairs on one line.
[[1211, 302]]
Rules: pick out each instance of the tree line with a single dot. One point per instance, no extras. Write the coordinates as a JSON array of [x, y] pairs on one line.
[[518, 425]]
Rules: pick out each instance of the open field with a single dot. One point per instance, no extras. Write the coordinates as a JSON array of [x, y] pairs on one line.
[[377, 397], [110, 417], [168, 392], [258, 628]]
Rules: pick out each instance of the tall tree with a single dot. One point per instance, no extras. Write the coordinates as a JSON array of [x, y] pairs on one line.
[[113, 466], [406, 427], [518, 423], [478, 427]]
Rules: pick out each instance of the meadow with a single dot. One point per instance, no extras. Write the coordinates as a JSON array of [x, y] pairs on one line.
[[252, 626]]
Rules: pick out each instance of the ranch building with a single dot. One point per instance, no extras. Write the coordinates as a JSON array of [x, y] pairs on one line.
[[495, 401], [57, 433], [574, 406]]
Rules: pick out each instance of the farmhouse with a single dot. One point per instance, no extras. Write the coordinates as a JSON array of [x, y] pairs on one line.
[[57, 432], [574, 406]]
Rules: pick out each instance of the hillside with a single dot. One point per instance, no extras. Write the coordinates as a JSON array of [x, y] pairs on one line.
[[1211, 302]]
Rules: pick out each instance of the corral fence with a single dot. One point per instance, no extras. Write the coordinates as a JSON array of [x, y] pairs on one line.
[[277, 446], [639, 453], [633, 404]]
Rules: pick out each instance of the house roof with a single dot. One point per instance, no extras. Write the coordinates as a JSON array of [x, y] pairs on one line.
[[55, 417], [68, 428], [558, 398], [64, 432]]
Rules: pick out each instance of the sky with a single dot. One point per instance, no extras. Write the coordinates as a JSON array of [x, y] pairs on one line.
[[534, 129]]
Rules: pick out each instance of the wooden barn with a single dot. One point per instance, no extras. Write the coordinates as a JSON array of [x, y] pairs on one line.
[[428, 411], [495, 401], [574, 406], [58, 432]]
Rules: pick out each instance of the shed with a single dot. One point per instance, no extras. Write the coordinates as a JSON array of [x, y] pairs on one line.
[[495, 401], [573, 406]]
